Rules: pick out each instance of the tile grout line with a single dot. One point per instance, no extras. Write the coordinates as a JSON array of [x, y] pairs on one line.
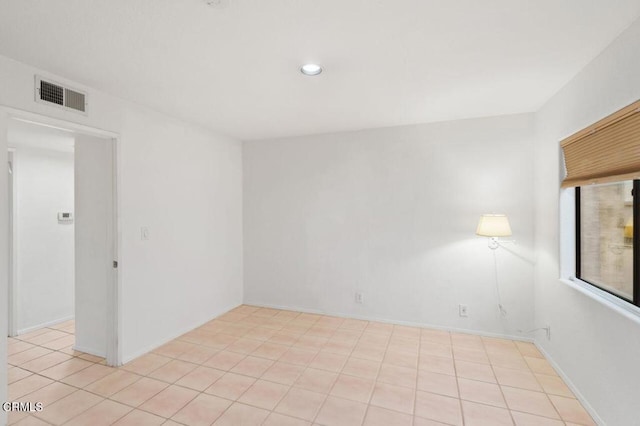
[[375, 380], [542, 387], [415, 399], [344, 365], [60, 382], [455, 373], [306, 367], [492, 367], [260, 378], [296, 379], [237, 329]]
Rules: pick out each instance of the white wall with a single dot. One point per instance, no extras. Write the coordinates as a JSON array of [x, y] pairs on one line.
[[392, 213], [182, 181], [45, 249], [186, 186], [595, 346]]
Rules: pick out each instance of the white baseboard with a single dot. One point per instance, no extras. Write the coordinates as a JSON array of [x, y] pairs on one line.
[[387, 321], [89, 351], [44, 324], [587, 406], [129, 357]]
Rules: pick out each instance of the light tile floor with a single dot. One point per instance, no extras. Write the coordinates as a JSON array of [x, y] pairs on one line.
[[257, 366]]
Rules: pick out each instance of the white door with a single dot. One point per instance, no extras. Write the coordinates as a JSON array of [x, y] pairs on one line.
[[94, 243]]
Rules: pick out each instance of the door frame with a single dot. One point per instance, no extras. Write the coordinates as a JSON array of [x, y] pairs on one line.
[[114, 302], [13, 240]]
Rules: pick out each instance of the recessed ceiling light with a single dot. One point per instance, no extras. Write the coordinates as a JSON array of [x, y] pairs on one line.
[[218, 4], [311, 69]]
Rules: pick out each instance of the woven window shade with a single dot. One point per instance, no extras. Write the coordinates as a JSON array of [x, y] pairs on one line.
[[606, 151]]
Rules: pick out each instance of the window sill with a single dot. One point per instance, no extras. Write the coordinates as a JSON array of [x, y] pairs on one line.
[[620, 306]]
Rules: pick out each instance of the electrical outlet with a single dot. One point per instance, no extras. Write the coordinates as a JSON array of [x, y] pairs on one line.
[[463, 310], [359, 298], [144, 233]]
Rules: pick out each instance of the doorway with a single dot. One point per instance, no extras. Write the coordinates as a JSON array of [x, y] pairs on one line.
[[63, 236]]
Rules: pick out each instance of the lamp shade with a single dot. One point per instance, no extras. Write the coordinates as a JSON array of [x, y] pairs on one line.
[[628, 228], [494, 225]]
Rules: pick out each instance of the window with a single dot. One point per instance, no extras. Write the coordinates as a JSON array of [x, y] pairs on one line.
[[602, 163], [605, 244]]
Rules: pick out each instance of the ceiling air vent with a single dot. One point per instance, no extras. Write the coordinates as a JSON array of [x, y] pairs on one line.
[[53, 93]]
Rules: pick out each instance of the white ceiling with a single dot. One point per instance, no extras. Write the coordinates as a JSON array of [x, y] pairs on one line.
[[387, 63]]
